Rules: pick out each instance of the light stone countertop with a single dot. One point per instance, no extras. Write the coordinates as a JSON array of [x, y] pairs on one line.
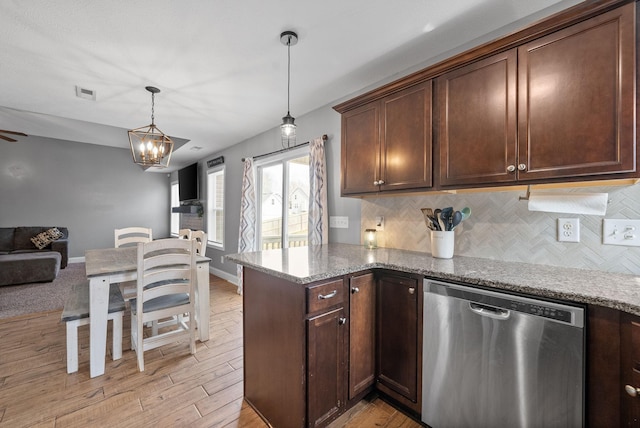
[[303, 265]]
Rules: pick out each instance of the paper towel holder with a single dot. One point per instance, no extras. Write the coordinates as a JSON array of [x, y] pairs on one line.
[[525, 198]]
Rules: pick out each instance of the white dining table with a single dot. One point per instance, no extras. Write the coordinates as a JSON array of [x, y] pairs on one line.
[[113, 265]]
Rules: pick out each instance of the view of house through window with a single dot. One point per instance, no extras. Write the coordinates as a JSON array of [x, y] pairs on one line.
[[284, 203], [175, 202], [215, 207]]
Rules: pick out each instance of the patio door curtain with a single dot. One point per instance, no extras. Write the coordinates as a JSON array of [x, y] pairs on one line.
[[318, 210], [248, 216]]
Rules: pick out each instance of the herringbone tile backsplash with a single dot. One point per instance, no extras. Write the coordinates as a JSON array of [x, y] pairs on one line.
[[501, 227]]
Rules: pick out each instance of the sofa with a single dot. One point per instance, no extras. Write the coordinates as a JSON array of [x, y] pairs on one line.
[[21, 261]]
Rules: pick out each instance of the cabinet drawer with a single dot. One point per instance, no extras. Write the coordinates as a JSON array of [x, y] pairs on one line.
[[325, 295]]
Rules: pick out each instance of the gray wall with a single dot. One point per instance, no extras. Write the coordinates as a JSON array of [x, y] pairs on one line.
[[88, 188], [324, 120]]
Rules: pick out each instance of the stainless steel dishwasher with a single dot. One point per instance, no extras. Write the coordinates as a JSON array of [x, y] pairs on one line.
[[493, 359]]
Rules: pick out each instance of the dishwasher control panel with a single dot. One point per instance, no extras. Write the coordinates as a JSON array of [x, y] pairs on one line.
[[541, 311]]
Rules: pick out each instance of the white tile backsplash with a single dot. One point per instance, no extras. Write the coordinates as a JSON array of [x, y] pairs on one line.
[[501, 227]]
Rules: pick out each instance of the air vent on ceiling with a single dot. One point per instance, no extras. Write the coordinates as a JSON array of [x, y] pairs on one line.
[[87, 94]]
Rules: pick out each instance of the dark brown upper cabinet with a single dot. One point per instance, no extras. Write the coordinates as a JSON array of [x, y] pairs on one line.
[[387, 143], [576, 93], [553, 102], [558, 107], [477, 122]]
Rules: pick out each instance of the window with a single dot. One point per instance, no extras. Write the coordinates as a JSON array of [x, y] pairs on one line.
[[282, 180], [215, 207], [175, 202]]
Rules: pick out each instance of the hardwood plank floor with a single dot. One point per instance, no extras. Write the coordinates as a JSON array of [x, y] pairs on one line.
[[176, 389]]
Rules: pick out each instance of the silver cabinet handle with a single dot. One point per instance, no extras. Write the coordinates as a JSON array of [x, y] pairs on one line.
[[412, 290], [328, 296], [342, 321], [355, 290], [511, 168], [632, 390], [380, 181], [522, 167]]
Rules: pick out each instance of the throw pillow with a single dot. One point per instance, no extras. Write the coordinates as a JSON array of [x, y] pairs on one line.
[[41, 240], [45, 238], [55, 233]]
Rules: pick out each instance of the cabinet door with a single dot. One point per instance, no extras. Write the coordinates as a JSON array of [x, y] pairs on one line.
[[361, 149], [397, 322], [630, 373], [406, 139], [603, 390], [362, 312], [476, 132], [576, 99], [326, 367]]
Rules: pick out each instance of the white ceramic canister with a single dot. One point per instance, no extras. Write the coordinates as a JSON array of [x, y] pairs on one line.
[[442, 243]]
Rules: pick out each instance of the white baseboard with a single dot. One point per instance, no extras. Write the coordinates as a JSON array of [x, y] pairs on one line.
[[224, 275], [76, 259]]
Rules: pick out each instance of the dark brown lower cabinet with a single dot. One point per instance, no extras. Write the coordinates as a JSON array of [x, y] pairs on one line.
[[398, 335], [325, 367], [613, 368], [313, 351], [362, 317], [630, 371]]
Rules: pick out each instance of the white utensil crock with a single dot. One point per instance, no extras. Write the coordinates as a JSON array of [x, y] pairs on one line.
[[442, 243]]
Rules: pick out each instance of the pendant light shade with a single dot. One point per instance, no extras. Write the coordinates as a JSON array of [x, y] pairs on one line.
[[150, 147], [288, 127]]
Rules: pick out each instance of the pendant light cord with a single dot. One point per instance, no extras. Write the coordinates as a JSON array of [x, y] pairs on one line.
[[152, 106], [288, 72]]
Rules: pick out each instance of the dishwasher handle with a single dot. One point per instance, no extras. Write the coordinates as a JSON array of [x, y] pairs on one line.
[[489, 311]]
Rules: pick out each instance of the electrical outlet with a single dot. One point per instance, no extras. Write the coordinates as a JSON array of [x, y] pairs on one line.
[[380, 223], [569, 229], [339, 222], [621, 232], [221, 259]]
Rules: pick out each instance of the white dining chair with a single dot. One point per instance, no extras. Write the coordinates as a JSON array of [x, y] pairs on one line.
[[130, 236], [200, 237], [127, 237], [184, 234], [165, 289]]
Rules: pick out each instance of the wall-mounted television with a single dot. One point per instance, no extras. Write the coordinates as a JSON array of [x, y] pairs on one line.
[[188, 183]]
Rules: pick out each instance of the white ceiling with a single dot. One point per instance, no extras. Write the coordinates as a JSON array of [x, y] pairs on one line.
[[219, 63]]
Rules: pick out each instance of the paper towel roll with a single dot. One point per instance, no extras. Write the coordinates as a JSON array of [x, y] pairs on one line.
[[571, 203]]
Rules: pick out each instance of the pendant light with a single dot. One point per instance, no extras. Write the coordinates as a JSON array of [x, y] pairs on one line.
[[288, 127], [150, 147]]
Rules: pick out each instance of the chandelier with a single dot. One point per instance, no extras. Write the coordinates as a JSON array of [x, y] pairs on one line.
[[150, 147], [288, 127]]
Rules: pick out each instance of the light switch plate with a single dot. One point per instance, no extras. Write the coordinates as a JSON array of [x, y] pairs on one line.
[[339, 222], [621, 232], [569, 229]]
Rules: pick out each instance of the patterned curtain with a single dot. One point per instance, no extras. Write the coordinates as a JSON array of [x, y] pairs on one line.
[[318, 210], [248, 219]]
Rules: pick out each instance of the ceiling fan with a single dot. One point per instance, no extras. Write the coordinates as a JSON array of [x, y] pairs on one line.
[[12, 140]]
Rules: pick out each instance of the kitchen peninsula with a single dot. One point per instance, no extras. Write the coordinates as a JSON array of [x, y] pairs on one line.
[[324, 325]]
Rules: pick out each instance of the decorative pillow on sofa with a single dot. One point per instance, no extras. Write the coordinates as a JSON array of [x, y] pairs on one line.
[[45, 238]]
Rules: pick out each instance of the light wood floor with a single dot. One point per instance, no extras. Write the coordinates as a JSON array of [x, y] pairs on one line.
[[176, 388]]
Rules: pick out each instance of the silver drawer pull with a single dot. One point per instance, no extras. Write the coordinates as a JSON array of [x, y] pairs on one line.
[[328, 296], [631, 390]]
